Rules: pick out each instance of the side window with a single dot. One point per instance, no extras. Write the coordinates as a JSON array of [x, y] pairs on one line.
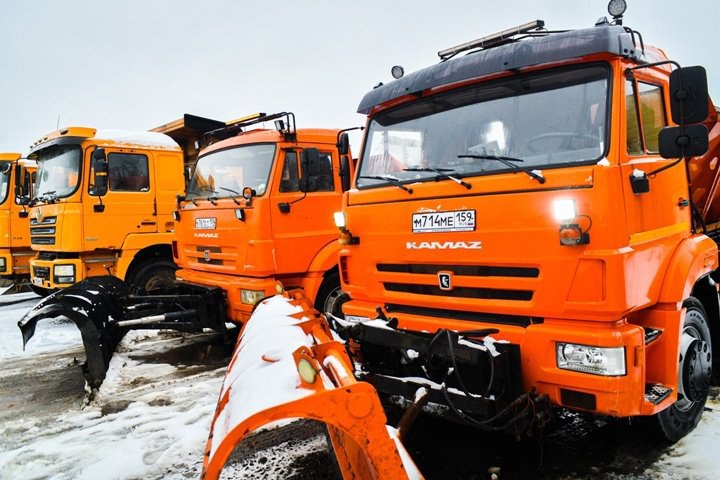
[[290, 181], [325, 181], [634, 146], [128, 172], [645, 117], [652, 114]]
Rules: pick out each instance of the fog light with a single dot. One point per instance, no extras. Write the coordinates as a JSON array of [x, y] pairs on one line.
[[594, 360], [64, 279], [251, 297]]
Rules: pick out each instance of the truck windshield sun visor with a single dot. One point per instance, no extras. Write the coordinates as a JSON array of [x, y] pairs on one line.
[[471, 131]]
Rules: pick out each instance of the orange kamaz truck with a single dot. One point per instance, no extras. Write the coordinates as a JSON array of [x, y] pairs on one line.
[[16, 181], [258, 210], [533, 223]]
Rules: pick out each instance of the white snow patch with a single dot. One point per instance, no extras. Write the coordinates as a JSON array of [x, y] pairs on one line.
[[140, 139]]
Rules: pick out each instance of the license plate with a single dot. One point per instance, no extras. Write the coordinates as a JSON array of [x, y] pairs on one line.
[[38, 281], [456, 221], [205, 223]]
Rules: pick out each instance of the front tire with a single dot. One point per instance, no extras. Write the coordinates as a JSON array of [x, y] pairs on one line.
[[153, 277], [330, 296], [43, 292], [695, 372]]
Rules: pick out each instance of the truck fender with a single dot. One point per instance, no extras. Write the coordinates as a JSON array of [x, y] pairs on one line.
[[136, 244], [325, 260], [694, 257]]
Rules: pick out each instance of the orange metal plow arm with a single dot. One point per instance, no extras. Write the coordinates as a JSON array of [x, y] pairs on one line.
[[288, 366]]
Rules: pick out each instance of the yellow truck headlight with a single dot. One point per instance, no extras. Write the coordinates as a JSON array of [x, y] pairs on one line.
[[251, 297], [3, 265], [588, 359], [64, 270], [64, 273]]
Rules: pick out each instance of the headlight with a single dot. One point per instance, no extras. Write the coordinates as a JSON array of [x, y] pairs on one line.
[[564, 210], [64, 270], [3, 265], [251, 297], [594, 360], [339, 218]]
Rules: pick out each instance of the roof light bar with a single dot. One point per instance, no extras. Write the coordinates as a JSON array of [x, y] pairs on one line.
[[254, 116], [492, 40]]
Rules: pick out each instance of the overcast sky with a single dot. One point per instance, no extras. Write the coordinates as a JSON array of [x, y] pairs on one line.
[[137, 64]]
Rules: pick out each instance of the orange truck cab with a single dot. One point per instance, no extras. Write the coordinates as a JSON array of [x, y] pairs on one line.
[[259, 209], [16, 182], [103, 206], [530, 227]]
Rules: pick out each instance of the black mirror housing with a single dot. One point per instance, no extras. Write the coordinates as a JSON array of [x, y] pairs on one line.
[[345, 173], [99, 154], [685, 141], [343, 144], [689, 96]]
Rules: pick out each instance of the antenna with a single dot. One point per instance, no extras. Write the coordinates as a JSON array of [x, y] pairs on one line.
[[57, 127]]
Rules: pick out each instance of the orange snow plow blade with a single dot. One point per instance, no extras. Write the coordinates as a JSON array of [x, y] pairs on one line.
[[287, 366]]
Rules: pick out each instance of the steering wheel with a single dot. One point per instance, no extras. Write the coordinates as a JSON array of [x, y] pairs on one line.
[[564, 137]]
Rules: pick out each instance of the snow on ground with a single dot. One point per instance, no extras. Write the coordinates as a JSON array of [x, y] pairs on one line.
[[150, 419]]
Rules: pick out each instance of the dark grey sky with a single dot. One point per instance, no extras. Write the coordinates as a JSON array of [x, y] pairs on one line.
[[136, 64]]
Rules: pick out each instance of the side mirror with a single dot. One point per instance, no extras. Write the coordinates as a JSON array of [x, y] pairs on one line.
[[310, 167], [682, 142], [100, 169], [5, 168], [343, 144], [689, 95], [345, 173]]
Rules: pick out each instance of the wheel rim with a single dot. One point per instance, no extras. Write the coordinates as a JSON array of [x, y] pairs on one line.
[[332, 301], [695, 368]]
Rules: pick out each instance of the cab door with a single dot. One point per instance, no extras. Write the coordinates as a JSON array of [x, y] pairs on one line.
[[128, 204], [302, 222]]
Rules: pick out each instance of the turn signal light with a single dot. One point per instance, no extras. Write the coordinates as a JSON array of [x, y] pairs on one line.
[[572, 234]]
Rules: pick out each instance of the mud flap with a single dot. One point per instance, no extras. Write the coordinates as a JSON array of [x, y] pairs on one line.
[[286, 366], [91, 304]]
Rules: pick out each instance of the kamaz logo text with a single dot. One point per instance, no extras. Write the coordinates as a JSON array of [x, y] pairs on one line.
[[443, 245], [206, 235]]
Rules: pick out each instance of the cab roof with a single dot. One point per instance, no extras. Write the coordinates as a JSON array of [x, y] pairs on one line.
[[535, 50], [109, 137], [326, 136]]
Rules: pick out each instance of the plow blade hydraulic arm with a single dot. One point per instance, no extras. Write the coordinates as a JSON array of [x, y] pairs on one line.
[[287, 366], [104, 310]]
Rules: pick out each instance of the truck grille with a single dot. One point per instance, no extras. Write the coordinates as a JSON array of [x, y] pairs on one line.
[[422, 280], [201, 257], [42, 228], [42, 240], [461, 270], [461, 292]]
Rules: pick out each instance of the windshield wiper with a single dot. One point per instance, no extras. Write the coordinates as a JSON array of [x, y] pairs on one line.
[[47, 197], [508, 161], [233, 191], [391, 180], [441, 173]]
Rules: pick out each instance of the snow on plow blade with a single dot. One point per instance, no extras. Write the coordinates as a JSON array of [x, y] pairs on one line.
[[91, 304], [287, 366]]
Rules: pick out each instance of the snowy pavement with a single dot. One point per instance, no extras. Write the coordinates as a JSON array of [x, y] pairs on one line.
[[151, 417]]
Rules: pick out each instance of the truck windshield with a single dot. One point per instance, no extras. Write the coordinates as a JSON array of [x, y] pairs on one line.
[[58, 171], [5, 168], [533, 121], [225, 173]]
